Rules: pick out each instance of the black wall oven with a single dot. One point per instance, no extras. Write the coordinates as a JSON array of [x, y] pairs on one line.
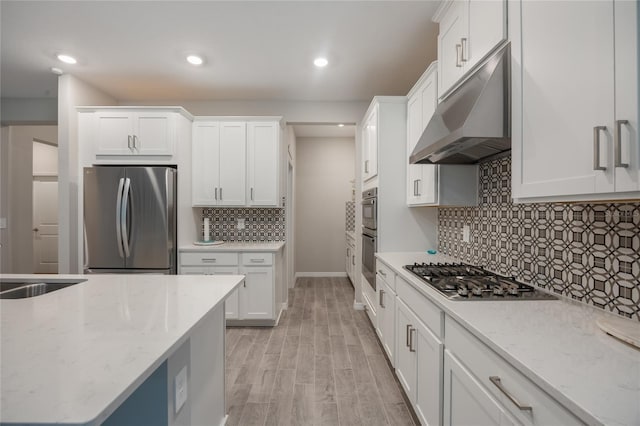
[[369, 235]]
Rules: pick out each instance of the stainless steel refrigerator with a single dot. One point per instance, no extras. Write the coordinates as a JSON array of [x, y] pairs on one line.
[[130, 219]]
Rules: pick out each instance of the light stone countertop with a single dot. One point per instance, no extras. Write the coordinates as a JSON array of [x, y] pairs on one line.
[[556, 344], [74, 355], [271, 246]]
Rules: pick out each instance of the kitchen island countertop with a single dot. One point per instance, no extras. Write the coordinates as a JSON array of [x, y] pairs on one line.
[[74, 355], [556, 344]]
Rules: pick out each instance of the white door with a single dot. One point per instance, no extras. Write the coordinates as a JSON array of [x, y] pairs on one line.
[[487, 28], [263, 144], [453, 28], [406, 368], [564, 98], [428, 385], [231, 303], [388, 302], [466, 402], [256, 295], [45, 226], [233, 162], [154, 133], [114, 133], [205, 160]]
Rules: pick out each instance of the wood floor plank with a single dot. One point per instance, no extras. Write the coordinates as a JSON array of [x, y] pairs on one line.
[[270, 362], [276, 341], [326, 414], [323, 342], [305, 369], [371, 405], [325, 387], [302, 411], [307, 332], [236, 400], [263, 386], [359, 365], [349, 411], [385, 380], [339, 353], [345, 383], [398, 414], [254, 414], [240, 352], [289, 356]]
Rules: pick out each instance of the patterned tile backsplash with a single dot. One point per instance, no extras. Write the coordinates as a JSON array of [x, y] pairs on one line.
[[350, 216], [589, 252], [262, 224]]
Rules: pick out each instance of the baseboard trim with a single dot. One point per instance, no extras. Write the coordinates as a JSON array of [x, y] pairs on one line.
[[320, 274], [358, 306], [224, 421]]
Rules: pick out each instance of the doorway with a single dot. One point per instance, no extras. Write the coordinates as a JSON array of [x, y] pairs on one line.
[[45, 207]]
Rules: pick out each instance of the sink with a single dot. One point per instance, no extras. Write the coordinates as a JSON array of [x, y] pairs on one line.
[[23, 288]]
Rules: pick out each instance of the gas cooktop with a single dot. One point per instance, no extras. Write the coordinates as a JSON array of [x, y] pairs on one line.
[[458, 281]]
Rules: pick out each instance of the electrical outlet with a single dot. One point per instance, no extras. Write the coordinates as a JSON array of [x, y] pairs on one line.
[[241, 224], [466, 234], [181, 389]]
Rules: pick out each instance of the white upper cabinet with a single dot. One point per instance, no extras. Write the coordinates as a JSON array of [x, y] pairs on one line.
[[575, 114], [134, 132], [235, 163], [469, 30], [370, 145], [263, 143], [430, 184]]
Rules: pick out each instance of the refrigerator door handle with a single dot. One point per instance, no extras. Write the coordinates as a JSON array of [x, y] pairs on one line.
[[123, 217], [119, 217]]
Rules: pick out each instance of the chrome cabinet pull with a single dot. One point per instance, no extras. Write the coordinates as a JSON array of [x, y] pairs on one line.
[[216, 190], [415, 188], [353, 260], [366, 166], [220, 193], [135, 145], [411, 348], [618, 143], [129, 142], [381, 272], [418, 182], [257, 260], [463, 48], [596, 147], [498, 383], [210, 260], [458, 55], [407, 334], [251, 194], [381, 301]]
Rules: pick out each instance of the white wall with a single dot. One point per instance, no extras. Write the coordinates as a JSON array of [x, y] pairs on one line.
[[17, 190], [45, 158], [22, 111], [72, 92], [324, 169]]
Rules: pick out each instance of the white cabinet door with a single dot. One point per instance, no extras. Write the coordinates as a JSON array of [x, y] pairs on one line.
[[562, 98], [626, 83], [231, 304], [114, 133], [387, 303], [232, 166], [466, 402], [406, 361], [370, 145], [453, 29], [487, 28], [430, 350], [154, 133], [263, 143], [205, 160], [421, 178], [256, 295]]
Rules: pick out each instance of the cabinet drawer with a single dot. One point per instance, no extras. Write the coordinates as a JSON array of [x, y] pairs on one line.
[[208, 258], [386, 273], [255, 259], [485, 364], [426, 310]]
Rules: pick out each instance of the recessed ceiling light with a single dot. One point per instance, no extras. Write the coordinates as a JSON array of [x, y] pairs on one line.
[[195, 60], [320, 62], [340, 125], [67, 59]]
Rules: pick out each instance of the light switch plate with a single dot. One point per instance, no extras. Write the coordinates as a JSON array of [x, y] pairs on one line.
[[181, 386], [466, 233]]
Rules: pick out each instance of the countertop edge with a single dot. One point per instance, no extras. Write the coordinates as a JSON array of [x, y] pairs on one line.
[[273, 247], [547, 387]]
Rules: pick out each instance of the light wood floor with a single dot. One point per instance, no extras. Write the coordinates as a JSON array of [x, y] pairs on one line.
[[322, 365]]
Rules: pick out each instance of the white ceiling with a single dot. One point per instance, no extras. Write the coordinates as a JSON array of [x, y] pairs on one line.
[[261, 50]]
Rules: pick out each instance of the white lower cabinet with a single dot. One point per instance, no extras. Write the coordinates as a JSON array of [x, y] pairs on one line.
[[466, 401], [350, 259], [419, 364], [254, 301]]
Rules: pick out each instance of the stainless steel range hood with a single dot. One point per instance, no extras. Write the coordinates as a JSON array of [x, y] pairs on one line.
[[474, 121]]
